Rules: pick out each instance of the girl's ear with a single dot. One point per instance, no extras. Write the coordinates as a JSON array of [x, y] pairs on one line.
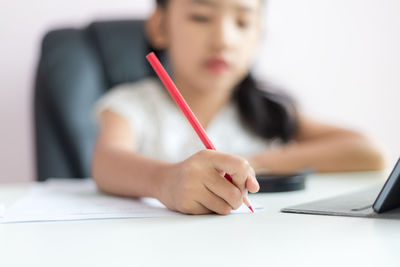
[[156, 29]]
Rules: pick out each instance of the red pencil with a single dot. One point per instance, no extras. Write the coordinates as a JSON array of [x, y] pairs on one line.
[[180, 101]]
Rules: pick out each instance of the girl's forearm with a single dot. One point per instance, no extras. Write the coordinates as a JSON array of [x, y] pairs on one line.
[[125, 173], [328, 154]]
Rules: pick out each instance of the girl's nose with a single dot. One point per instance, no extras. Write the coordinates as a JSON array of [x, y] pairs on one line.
[[224, 35]]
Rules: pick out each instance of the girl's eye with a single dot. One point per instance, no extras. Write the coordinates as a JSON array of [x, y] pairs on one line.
[[243, 24], [200, 18]]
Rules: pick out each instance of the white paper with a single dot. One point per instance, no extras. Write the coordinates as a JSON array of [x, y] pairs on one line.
[[2, 210], [67, 199]]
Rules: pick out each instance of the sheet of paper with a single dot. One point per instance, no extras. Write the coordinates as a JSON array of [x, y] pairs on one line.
[[2, 210], [68, 199]]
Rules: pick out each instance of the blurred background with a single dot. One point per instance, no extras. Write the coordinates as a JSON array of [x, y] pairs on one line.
[[339, 58]]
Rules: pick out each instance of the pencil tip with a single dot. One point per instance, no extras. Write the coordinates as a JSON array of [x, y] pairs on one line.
[[252, 211]]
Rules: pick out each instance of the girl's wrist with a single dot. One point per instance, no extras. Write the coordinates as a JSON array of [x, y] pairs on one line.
[[162, 175]]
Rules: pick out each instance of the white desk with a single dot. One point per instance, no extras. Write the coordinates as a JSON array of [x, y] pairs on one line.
[[268, 238]]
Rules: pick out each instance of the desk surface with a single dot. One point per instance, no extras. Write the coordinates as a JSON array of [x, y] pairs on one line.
[[268, 238]]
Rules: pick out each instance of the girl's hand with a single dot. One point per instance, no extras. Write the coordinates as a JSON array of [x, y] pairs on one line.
[[197, 185]]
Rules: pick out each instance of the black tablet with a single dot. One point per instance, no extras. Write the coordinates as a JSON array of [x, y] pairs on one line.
[[389, 197]]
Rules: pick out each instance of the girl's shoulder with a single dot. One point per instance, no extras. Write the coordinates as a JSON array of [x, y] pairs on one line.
[[135, 90], [130, 95], [130, 100]]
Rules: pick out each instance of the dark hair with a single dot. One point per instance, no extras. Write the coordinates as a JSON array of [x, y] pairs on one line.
[[162, 3], [263, 109]]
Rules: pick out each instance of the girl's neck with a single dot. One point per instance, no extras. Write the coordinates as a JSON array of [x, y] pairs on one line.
[[205, 104]]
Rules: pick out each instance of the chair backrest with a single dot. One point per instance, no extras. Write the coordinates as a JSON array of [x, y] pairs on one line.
[[76, 67]]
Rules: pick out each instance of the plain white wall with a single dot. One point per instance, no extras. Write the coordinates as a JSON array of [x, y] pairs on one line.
[[339, 58]]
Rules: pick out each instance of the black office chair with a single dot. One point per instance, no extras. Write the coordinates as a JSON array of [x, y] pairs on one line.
[[76, 67]]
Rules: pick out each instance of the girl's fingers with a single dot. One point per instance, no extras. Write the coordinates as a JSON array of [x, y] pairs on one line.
[[215, 203], [194, 208], [225, 190], [200, 209], [253, 172], [237, 167], [252, 183]]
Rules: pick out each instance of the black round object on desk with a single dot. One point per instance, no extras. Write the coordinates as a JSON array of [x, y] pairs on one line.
[[282, 182]]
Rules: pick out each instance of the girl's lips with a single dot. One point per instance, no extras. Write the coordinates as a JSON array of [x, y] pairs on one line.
[[217, 65]]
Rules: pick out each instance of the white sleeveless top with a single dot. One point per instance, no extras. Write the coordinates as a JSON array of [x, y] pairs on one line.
[[162, 131]]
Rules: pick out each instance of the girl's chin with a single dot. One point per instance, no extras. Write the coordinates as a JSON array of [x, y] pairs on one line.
[[216, 85], [216, 77], [207, 81]]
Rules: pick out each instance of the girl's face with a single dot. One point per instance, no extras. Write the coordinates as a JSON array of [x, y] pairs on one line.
[[211, 43]]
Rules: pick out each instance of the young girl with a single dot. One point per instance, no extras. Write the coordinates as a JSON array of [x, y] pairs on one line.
[[146, 148]]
